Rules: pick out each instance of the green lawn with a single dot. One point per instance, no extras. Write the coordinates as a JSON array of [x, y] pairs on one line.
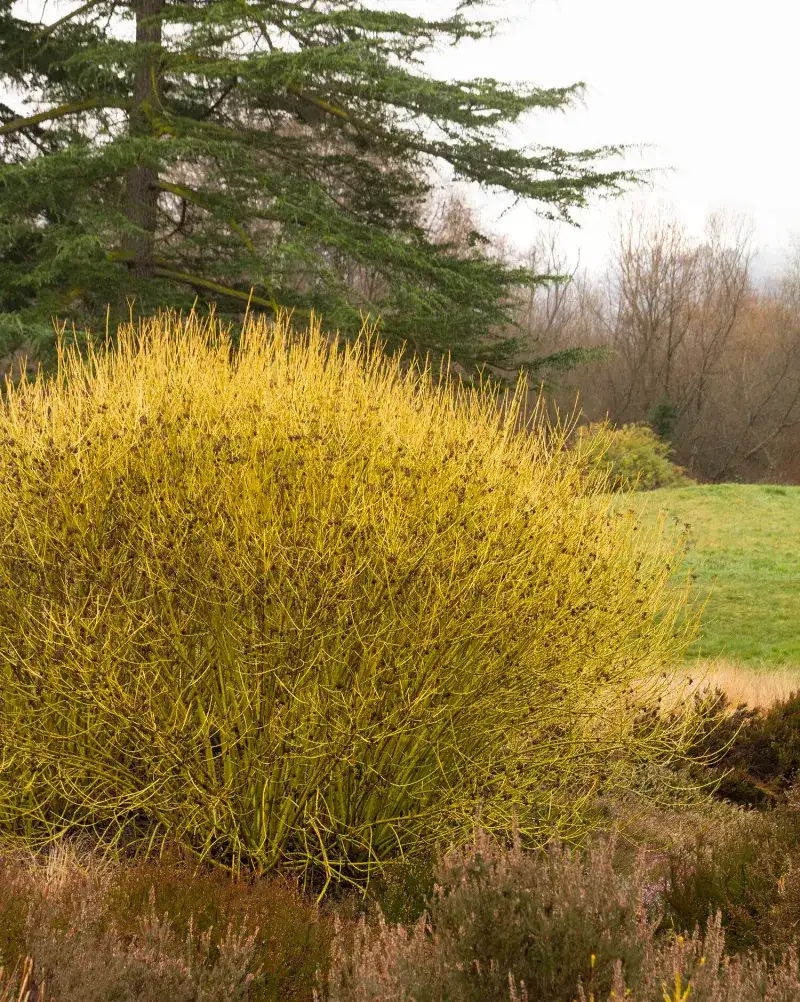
[[744, 547]]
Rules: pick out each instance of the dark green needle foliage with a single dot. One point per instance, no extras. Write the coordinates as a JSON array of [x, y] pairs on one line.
[[164, 150]]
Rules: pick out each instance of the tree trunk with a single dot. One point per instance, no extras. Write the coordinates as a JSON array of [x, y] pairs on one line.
[[140, 181]]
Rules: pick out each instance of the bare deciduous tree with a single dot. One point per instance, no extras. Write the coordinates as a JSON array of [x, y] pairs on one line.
[[686, 332]]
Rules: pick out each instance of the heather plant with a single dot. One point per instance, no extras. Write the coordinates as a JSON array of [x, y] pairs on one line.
[[633, 456], [83, 960], [744, 871], [751, 753], [93, 930], [500, 919], [696, 967], [302, 608], [75, 952], [785, 912], [763, 756], [554, 926]]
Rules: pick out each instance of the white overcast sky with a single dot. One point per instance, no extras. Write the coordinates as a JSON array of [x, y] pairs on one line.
[[710, 85]]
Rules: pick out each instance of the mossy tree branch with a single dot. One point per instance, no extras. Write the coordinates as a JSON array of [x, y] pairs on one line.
[[164, 269], [51, 114]]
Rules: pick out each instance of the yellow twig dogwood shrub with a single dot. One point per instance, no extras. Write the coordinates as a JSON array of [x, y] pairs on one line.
[[305, 607]]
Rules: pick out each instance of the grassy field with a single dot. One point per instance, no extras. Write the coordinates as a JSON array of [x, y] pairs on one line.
[[744, 550]]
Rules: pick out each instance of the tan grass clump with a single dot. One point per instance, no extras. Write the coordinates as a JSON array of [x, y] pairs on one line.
[[742, 684], [304, 608]]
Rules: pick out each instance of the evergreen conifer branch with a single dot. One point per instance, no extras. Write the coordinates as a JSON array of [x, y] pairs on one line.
[[72, 16], [299, 136]]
